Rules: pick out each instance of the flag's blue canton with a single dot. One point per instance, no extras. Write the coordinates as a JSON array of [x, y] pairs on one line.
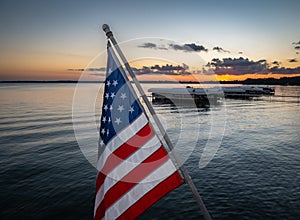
[[120, 107]]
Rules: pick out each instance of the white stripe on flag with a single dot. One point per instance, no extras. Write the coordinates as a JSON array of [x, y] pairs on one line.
[[138, 191], [121, 138], [125, 167]]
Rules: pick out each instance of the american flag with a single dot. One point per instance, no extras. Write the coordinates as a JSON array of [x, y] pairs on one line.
[[134, 169]]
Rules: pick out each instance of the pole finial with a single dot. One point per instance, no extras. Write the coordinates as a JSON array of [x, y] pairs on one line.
[[107, 31]]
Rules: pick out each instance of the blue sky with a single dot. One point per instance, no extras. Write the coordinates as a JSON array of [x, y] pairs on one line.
[[57, 35]]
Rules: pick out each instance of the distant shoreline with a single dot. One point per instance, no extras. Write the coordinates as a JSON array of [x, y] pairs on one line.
[[292, 81]]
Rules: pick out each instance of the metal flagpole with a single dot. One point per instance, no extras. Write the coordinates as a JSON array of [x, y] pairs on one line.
[[187, 178]]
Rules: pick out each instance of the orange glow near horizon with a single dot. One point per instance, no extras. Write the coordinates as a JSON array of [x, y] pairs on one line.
[[34, 75], [6, 75], [27, 69], [253, 76], [203, 78]]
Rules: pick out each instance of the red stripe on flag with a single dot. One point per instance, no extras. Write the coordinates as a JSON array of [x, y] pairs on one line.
[[164, 187], [131, 179], [123, 152]]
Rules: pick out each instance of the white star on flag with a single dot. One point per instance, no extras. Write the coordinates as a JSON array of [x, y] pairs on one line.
[[118, 121], [115, 83], [131, 110], [120, 108], [101, 143], [123, 96]]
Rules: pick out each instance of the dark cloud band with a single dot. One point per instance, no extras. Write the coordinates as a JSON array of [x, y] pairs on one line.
[[188, 47], [192, 47], [241, 66], [220, 49]]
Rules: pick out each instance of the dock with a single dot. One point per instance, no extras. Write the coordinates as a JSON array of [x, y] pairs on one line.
[[208, 96], [199, 96]]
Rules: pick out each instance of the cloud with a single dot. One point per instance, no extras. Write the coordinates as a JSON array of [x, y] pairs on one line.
[[238, 66], [101, 69], [293, 60], [76, 70], [283, 70], [97, 74], [241, 66], [262, 61], [188, 47], [148, 45], [162, 48], [231, 66], [167, 69], [192, 47], [220, 49], [297, 43]]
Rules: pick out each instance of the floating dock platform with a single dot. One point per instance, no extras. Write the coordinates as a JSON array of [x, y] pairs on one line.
[[207, 96]]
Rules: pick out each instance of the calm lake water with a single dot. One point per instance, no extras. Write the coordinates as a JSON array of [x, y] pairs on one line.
[[253, 175]]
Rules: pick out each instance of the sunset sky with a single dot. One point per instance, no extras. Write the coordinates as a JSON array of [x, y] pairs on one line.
[[54, 40]]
